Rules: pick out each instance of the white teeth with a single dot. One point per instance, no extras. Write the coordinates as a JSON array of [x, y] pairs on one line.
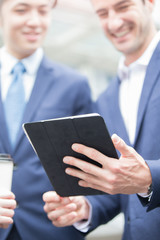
[[121, 34]]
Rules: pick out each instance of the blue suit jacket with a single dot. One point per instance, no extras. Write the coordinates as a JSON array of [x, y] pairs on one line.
[[58, 92], [140, 222]]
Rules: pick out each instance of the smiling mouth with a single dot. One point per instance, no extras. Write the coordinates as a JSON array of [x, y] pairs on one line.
[[121, 34], [32, 36]]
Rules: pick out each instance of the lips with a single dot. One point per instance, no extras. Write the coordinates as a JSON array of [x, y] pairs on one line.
[[32, 36]]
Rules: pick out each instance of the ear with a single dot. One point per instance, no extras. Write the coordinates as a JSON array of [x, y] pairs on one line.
[[54, 3]]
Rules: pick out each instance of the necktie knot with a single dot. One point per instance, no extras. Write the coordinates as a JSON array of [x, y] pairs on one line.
[[19, 68]]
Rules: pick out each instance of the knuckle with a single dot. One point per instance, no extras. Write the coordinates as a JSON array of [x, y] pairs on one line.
[[131, 150], [11, 213], [86, 168], [86, 178], [52, 216], [93, 154], [112, 182], [115, 169]]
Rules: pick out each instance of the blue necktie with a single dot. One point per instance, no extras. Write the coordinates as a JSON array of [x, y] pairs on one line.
[[15, 102]]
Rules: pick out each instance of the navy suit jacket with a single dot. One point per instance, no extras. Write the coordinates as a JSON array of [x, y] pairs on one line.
[[58, 92], [140, 222]]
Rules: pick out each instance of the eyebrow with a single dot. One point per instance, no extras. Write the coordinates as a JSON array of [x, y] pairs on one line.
[[101, 10], [27, 5], [122, 2]]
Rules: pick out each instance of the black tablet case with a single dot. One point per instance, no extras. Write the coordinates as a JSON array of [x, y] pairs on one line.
[[52, 140]]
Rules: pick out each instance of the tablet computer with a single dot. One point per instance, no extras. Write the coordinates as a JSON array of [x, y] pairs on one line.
[[52, 140]]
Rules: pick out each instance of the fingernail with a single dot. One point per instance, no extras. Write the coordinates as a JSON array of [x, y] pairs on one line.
[[75, 147], [66, 159], [67, 171], [115, 138]]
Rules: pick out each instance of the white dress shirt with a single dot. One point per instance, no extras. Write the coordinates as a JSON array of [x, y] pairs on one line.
[[132, 78], [31, 63]]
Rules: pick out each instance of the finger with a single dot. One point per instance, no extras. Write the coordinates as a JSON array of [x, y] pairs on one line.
[[122, 147], [96, 179], [91, 153], [7, 194], [5, 221], [6, 216], [95, 186], [8, 203], [4, 212], [88, 180], [66, 220], [83, 207], [53, 215], [50, 206], [83, 165], [79, 201], [51, 196]]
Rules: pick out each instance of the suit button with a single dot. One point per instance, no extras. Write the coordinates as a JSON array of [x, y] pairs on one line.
[[128, 220], [17, 206], [15, 166]]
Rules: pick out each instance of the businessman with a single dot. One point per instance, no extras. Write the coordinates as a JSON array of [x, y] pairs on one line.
[[32, 88], [130, 107]]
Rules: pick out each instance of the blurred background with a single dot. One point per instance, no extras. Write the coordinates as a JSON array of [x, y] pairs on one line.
[[76, 39]]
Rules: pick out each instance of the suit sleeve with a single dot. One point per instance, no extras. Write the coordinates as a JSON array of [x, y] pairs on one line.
[[104, 208], [154, 202], [83, 103]]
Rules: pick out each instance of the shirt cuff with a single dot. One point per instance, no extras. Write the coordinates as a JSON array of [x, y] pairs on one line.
[[84, 225], [145, 195]]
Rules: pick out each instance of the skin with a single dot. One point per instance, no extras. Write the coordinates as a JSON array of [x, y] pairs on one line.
[[24, 25], [128, 24], [7, 206], [65, 211], [125, 24]]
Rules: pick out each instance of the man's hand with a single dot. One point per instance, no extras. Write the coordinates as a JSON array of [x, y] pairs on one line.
[[7, 206], [128, 175], [65, 211]]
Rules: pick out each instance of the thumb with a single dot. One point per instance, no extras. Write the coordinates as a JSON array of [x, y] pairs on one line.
[[121, 146]]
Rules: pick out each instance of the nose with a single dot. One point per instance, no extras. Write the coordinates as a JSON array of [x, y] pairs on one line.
[[115, 21], [33, 18]]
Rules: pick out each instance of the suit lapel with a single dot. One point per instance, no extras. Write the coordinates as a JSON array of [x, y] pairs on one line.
[[152, 74], [42, 83], [115, 114], [4, 138]]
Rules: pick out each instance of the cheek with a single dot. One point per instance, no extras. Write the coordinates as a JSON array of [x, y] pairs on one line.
[[45, 25], [12, 27]]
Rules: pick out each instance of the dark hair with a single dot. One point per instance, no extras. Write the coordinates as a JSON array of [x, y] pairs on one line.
[[54, 3]]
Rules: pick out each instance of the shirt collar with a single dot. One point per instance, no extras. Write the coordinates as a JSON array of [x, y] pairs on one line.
[[31, 63], [143, 61]]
